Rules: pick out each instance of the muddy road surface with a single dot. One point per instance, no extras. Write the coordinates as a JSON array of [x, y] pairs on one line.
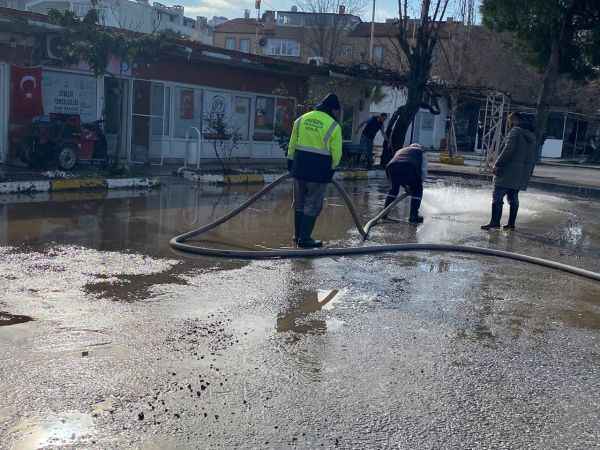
[[110, 340]]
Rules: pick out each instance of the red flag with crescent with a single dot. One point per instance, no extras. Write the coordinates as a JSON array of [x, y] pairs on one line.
[[26, 93]]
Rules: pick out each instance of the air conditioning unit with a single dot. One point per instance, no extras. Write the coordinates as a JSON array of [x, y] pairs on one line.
[[316, 60], [53, 47]]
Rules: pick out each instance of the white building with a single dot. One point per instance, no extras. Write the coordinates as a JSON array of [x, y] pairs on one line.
[[139, 16], [427, 129]]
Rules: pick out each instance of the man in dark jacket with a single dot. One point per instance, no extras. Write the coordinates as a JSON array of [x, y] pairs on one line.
[[512, 170], [315, 150], [408, 168], [371, 127]]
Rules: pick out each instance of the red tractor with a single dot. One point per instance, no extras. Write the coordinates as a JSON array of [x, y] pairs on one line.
[[62, 140]]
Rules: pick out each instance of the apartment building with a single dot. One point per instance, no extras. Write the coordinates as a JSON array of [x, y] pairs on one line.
[[292, 35], [140, 16]]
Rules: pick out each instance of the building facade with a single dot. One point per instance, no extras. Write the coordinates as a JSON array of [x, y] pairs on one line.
[[157, 111], [139, 16], [291, 35]]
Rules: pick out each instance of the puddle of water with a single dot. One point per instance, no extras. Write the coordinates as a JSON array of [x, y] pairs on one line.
[[311, 302], [53, 431], [7, 319]]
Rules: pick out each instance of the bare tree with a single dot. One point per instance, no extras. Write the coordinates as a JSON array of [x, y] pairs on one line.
[[326, 28], [417, 38]]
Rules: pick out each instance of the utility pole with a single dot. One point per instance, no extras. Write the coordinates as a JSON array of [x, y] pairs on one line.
[[257, 6], [372, 34]]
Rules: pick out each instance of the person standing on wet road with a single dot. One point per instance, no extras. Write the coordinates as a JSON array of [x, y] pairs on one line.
[[513, 170], [408, 168], [314, 152], [371, 127]]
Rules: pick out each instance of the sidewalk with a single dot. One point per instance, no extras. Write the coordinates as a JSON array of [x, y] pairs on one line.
[[562, 178], [568, 179]]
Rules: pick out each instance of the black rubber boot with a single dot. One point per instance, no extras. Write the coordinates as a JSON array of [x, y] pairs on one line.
[[496, 216], [512, 217], [415, 218], [305, 240], [298, 215]]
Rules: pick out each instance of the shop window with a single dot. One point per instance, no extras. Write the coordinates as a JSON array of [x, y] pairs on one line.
[[149, 110], [157, 109], [167, 128], [264, 118], [284, 116], [217, 114], [187, 111], [241, 117]]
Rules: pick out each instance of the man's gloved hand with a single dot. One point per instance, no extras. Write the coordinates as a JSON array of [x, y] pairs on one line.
[[290, 165]]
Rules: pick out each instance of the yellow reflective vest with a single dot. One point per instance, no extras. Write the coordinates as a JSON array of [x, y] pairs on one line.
[[315, 147]]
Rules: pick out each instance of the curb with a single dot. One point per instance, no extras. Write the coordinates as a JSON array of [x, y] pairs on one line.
[[579, 190], [269, 178], [538, 183], [77, 184]]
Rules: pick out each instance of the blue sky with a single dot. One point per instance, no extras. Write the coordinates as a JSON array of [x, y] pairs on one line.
[[235, 8]]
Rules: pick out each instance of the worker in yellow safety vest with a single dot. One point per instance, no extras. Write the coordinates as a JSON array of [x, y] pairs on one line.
[[315, 150]]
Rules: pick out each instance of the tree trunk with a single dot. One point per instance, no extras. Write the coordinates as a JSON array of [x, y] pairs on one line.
[[407, 112], [551, 74], [546, 92]]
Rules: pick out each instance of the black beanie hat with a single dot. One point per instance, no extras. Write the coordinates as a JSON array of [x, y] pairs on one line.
[[329, 103]]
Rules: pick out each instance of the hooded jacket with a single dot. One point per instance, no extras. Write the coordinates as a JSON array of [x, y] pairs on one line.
[[517, 159]]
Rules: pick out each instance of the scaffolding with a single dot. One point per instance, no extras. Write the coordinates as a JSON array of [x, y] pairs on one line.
[[493, 126]]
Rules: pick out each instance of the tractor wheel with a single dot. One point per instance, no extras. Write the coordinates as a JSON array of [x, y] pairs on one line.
[[67, 158]]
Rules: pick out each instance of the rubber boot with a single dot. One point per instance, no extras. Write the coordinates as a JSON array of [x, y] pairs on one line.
[[305, 240], [512, 217], [298, 215], [415, 218], [496, 216]]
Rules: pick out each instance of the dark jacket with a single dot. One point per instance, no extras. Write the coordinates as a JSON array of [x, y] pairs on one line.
[[412, 157], [517, 159]]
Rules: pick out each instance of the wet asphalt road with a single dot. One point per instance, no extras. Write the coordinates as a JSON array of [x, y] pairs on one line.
[[110, 340]]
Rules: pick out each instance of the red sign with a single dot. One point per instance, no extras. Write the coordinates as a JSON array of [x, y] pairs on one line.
[[26, 94]]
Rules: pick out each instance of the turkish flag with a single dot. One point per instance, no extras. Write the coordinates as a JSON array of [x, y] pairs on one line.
[[26, 94]]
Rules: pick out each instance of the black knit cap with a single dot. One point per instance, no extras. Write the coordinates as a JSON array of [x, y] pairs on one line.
[[331, 102]]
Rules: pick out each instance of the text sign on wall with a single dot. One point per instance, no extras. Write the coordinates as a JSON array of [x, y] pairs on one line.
[[69, 93]]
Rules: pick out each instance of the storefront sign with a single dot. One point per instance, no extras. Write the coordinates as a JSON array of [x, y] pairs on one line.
[[68, 93]]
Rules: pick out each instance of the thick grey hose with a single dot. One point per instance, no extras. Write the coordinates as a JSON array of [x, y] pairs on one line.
[[179, 242]]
